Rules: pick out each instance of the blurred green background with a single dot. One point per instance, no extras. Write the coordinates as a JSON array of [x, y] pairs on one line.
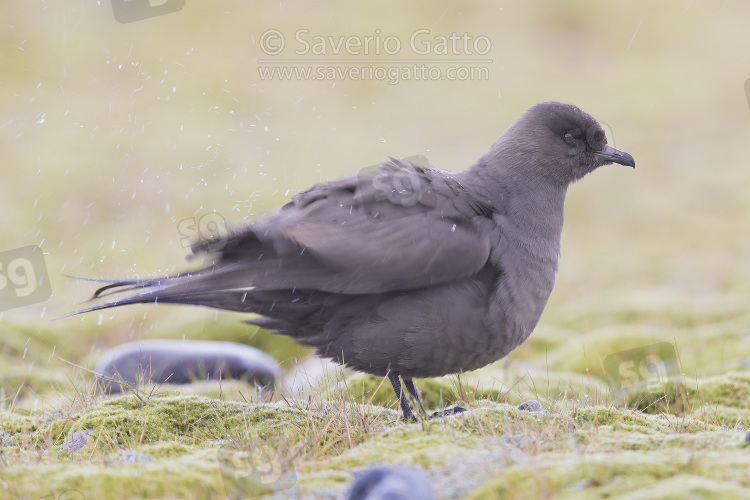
[[113, 133]]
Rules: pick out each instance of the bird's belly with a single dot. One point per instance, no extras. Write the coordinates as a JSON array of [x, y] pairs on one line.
[[438, 331]]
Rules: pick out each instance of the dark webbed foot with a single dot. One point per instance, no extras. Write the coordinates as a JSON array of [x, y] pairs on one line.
[[406, 409], [448, 412]]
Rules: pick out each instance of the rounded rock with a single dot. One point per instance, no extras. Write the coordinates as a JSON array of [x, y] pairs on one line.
[[76, 440], [182, 362], [531, 405], [391, 483]]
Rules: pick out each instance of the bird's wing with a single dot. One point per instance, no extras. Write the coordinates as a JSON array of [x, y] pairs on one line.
[[397, 228], [400, 227]]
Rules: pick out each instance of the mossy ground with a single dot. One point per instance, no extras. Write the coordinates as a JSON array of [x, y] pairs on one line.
[[114, 134], [211, 440]]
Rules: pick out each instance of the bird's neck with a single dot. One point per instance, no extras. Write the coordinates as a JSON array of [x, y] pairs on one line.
[[529, 211], [529, 215], [521, 197]]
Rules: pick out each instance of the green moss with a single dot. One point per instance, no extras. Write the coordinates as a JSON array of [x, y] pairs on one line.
[[404, 444], [627, 474], [624, 419], [13, 423], [169, 449], [515, 382], [436, 393], [193, 479], [320, 441], [689, 486], [612, 439], [729, 390], [168, 150], [189, 418], [239, 391], [726, 416]]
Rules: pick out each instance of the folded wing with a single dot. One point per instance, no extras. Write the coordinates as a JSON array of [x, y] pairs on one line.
[[400, 227]]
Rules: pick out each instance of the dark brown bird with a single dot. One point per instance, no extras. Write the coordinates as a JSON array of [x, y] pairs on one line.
[[407, 271]]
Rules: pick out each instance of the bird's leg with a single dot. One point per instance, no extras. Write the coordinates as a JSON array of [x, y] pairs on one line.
[[409, 383], [405, 408]]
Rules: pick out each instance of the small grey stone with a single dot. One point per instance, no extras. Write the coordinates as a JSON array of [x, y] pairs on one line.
[[219, 442], [580, 485], [747, 436], [183, 361], [391, 483], [4, 438], [76, 440], [531, 405], [134, 457], [516, 440]]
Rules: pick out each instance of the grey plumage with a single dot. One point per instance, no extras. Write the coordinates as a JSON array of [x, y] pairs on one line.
[[438, 275], [391, 483]]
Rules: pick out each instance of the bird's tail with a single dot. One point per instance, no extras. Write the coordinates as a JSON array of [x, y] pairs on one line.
[[134, 291], [221, 287]]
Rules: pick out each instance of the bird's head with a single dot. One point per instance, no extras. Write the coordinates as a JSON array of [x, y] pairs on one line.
[[559, 141]]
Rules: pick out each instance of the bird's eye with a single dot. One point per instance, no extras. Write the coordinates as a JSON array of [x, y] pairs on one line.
[[572, 137], [576, 142]]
